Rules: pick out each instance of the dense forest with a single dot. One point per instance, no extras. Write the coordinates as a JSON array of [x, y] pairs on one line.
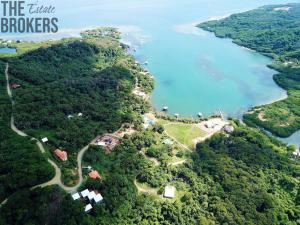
[[91, 77], [21, 164], [245, 178], [274, 31]]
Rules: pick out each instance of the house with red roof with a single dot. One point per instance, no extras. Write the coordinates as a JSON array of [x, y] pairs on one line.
[[63, 155], [15, 86], [94, 174]]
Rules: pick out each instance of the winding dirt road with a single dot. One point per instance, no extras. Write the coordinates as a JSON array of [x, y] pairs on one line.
[[56, 180]]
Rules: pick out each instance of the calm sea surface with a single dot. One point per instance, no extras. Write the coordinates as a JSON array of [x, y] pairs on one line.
[[194, 71]]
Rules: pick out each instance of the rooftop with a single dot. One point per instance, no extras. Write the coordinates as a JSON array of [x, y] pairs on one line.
[[76, 196], [94, 174], [44, 140], [88, 208], [98, 198], [169, 192], [168, 142], [91, 195], [61, 154], [85, 193], [229, 129]]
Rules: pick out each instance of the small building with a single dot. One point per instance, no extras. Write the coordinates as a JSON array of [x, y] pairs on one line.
[[108, 141], [80, 114], [101, 143], [70, 116], [296, 153], [98, 198], [63, 155], [88, 208], [91, 195], [94, 174], [169, 192], [168, 142], [85, 193], [229, 129], [15, 86], [149, 120], [45, 140], [76, 196]]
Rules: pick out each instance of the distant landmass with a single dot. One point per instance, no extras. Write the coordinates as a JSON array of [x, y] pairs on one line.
[[274, 31]]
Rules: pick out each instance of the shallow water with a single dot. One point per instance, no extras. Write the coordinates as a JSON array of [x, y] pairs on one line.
[[7, 50], [294, 139]]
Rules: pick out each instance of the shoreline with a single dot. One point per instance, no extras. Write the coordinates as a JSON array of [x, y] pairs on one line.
[[273, 57]]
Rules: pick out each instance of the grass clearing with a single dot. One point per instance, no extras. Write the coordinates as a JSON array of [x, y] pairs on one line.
[[184, 133]]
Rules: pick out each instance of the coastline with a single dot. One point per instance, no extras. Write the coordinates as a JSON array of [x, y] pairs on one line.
[[274, 57]]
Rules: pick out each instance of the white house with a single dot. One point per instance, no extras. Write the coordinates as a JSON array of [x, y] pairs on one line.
[[76, 196], [169, 192], [229, 129], [168, 142], [45, 140], [85, 193], [91, 195], [296, 153], [98, 198], [80, 114], [101, 143], [88, 208]]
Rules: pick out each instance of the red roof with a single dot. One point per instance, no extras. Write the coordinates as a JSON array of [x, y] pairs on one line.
[[94, 174], [61, 154], [14, 86]]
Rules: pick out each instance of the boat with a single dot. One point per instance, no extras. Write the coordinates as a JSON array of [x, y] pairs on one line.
[[146, 63], [165, 108], [200, 114], [176, 115]]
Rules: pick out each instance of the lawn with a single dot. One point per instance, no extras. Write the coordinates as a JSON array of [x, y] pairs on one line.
[[184, 133]]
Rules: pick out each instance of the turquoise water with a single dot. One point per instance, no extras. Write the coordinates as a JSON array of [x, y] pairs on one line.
[[294, 139], [194, 71], [7, 50]]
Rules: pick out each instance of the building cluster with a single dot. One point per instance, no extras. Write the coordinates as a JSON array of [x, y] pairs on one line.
[[89, 197], [107, 141]]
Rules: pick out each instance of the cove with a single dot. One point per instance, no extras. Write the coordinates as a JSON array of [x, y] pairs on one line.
[[202, 73]]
